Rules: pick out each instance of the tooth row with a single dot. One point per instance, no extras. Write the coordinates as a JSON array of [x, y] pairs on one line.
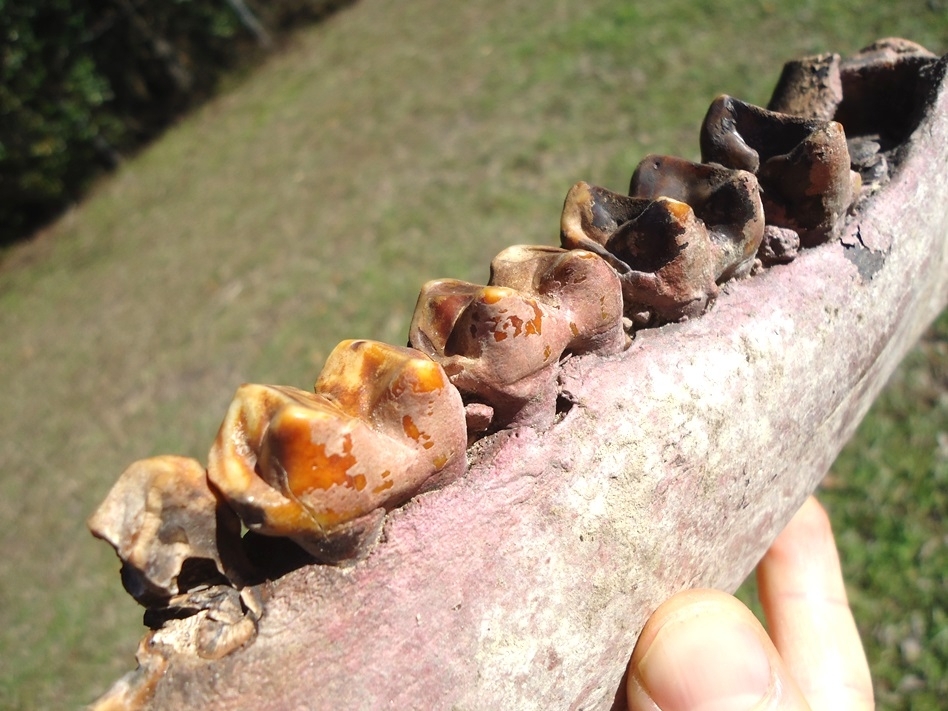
[[385, 423]]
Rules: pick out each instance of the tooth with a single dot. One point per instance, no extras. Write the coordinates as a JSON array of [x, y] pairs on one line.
[[727, 202], [322, 468], [802, 164], [160, 515], [809, 87], [579, 287], [501, 344], [669, 261]]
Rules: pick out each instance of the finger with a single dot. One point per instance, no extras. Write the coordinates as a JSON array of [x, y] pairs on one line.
[[801, 590], [702, 650]]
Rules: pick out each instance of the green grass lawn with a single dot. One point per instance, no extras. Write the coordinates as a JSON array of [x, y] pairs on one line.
[[396, 143]]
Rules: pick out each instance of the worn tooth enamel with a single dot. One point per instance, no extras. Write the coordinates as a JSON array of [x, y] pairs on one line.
[[802, 164], [582, 289], [500, 344], [591, 215], [809, 87], [496, 344], [171, 531], [668, 258], [322, 468], [727, 201]]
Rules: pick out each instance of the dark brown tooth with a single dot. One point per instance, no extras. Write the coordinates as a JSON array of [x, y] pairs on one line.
[[802, 164], [727, 202], [809, 87], [683, 229], [590, 217], [884, 89]]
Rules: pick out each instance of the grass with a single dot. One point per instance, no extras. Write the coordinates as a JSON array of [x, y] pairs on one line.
[[395, 143]]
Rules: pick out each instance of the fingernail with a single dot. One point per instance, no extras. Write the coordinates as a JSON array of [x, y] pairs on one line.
[[713, 664]]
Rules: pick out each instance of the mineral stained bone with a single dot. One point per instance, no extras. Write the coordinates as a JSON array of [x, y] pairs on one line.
[[501, 344], [322, 468], [525, 583]]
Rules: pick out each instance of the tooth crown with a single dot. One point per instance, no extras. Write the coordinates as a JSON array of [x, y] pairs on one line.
[[802, 164], [726, 201], [321, 468], [668, 258], [500, 343], [159, 515]]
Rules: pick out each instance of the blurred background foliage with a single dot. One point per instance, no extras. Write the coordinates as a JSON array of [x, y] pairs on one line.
[[84, 83]]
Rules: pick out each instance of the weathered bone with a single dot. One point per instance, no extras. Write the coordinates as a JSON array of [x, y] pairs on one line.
[[321, 469], [802, 164], [501, 344], [525, 583]]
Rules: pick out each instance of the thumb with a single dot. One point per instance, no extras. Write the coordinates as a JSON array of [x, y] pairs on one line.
[[703, 650]]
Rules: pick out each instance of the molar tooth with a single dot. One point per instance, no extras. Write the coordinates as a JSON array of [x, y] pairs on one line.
[[501, 343], [580, 285], [171, 531], [884, 87], [322, 468], [802, 164], [491, 344], [809, 87], [727, 201], [683, 229]]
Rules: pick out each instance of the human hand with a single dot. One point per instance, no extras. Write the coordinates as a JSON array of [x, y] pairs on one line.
[[703, 650]]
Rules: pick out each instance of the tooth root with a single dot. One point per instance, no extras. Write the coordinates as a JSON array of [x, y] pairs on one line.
[[321, 467], [160, 514]]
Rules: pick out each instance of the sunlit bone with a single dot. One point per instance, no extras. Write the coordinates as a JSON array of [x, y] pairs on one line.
[[322, 469], [500, 344]]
